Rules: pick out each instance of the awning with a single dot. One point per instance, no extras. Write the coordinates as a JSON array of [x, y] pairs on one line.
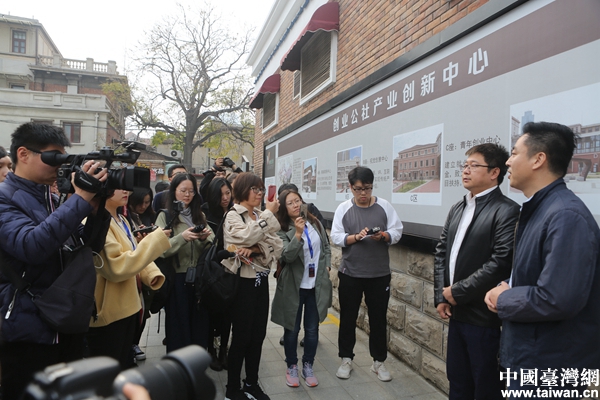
[[270, 85], [326, 18]]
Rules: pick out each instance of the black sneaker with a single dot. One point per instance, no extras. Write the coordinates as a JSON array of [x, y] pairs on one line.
[[254, 392], [235, 395]]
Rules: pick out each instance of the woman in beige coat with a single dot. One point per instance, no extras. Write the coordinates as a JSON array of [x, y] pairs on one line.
[[252, 234]]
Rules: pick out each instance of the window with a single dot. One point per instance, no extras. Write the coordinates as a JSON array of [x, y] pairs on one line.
[[317, 64], [18, 41], [270, 113], [296, 84], [43, 121], [73, 131], [17, 86]]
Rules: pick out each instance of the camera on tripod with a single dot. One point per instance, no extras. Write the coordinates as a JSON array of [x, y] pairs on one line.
[[180, 375], [126, 178]]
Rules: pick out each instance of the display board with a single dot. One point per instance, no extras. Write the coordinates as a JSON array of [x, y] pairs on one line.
[[413, 129]]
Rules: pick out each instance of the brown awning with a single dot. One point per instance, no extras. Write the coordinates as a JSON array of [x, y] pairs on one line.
[[326, 18], [270, 85]]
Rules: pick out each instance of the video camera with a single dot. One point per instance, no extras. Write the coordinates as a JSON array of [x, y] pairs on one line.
[[123, 178], [177, 376]]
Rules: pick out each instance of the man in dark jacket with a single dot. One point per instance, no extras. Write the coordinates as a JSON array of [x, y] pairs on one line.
[[473, 254], [550, 317], [33, 234], [160, 199]]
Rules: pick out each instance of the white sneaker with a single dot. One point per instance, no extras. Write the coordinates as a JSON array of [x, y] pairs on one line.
[[343, 371], [381, 371]]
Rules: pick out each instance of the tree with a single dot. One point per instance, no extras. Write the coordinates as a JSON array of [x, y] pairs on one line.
[[190, 83]]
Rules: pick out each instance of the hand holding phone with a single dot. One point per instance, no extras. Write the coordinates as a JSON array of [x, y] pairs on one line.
[[198, 228], [373, 231], [146, 229], [304, 211], [271, 192]]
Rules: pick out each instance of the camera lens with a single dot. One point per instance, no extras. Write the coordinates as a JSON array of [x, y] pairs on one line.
[[179, 375]]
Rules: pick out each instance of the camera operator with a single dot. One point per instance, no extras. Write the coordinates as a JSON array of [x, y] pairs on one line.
[[218, 170], [34, 233]]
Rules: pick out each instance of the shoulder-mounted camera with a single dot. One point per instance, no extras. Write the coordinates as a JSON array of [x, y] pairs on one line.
[[126, 178]]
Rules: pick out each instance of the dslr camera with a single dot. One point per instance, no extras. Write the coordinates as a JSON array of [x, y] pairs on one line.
[[228, 162], [126, 178], [180, 375]]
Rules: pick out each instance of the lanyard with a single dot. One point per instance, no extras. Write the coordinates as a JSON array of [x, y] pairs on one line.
[[123, 224], [309, 242]]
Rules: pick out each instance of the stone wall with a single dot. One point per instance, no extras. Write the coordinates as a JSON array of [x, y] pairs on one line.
[[416, 335]]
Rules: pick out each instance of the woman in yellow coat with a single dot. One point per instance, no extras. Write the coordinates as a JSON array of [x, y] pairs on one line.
[[122, 266]]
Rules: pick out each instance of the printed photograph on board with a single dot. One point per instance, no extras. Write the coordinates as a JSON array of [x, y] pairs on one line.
[[309, 179], [285, 168], [346, 161], [578, 109], [417, 166]]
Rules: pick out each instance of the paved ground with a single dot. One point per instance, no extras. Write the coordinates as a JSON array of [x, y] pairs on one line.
[[363, 384]]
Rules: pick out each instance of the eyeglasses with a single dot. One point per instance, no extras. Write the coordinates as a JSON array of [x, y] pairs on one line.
[[184, 192], [362, 189], [34, 151], [257, 190], [293, 203], [473, 167]]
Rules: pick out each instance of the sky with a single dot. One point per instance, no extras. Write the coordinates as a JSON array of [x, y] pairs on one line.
[[110, 28]]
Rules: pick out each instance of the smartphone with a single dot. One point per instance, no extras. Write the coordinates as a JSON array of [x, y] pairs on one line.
[[146, 229], [373, 231], [304, 211], [198, 228], [271, 192]]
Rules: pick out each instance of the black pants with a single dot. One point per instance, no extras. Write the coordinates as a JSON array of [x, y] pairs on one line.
[[377, 297], [114, 340], [472, 362], [186, 322], [249, 317], [21, 360]]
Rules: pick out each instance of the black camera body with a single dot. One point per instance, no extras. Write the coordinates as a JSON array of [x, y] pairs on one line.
[[177, 376], [124, 178], [228, 162]]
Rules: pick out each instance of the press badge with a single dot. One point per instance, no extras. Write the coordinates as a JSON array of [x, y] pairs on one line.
[[311, 270]]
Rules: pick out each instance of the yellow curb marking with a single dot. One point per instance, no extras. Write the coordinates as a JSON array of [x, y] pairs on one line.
[[331, 320]]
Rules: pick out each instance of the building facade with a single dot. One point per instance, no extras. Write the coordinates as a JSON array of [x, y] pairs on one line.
[[406, 88], [37, 84]]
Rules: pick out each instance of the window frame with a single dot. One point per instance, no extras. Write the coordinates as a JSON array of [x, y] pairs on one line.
[[15, 40], [276, 112], [304, 98], [297, 76], [69, 134]]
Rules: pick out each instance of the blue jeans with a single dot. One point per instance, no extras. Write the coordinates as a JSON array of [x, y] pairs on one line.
[[308, 301]]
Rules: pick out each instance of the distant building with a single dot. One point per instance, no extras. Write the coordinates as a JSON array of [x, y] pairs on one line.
[[37, 84]]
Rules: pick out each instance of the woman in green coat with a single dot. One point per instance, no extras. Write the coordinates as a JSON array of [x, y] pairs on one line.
[[303, 285]]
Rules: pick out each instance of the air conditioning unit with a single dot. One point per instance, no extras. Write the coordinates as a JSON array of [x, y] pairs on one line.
[[176, 153]]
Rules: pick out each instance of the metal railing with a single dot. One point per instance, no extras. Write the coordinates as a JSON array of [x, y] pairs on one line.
[[81, 65]]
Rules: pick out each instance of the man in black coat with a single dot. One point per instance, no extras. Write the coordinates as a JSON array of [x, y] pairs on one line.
[[473, 255]]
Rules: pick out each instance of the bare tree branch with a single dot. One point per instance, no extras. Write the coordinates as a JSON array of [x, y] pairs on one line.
[[191, 80]]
